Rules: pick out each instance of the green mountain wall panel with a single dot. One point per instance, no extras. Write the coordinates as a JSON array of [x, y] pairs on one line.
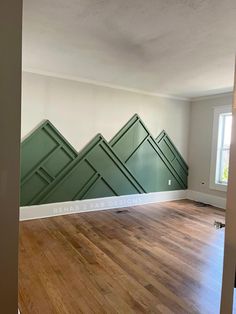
[[133, 162], [173, 157], [45, 155], [97, 172], [156, 164]]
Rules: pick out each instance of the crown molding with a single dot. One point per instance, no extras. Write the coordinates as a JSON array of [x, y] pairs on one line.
[[217, 94], [103, 84]]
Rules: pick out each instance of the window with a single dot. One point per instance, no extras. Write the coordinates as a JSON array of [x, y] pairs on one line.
[[220, 148], [224, 138]]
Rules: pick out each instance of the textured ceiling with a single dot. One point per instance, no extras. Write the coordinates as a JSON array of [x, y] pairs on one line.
[[178, 47]]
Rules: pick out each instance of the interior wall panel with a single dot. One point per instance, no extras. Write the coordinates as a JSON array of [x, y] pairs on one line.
[[133, 162]]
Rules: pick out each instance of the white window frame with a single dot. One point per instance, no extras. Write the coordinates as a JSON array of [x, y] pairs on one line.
[[218, 111]]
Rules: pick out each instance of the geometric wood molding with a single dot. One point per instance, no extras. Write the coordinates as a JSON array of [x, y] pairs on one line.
[[97, 172], [156, 164], [132, 163], [45, 157], [173, 157]]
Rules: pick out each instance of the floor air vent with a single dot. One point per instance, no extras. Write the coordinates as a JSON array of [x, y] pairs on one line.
[[122, 211]]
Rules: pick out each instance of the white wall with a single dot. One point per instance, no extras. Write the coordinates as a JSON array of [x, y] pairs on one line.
[[81, 110], [200, 142]]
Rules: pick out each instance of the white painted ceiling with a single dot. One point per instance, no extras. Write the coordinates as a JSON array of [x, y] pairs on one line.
[[177, 47]]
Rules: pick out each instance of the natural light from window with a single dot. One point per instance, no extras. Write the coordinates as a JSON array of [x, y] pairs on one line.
[[223, 147]]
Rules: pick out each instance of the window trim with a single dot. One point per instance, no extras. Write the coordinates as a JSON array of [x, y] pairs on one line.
[[217, 112]]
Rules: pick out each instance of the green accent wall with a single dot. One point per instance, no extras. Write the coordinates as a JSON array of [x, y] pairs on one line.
[[97, 172], [45, 157], [173, 158], [132, 163], [154, 163]]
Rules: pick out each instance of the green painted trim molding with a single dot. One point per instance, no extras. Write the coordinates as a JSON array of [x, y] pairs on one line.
[[132, 163]]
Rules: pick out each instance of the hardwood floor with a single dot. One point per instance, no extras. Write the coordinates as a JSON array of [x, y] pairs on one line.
[[158, 258]]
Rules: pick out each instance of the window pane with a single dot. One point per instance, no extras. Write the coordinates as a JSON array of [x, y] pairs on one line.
[[227, 130], [224, 166]]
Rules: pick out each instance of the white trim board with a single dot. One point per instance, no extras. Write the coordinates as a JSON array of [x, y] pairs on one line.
[[103, 84], [58, 209], [217, 93], [206, 198], [73, 207]]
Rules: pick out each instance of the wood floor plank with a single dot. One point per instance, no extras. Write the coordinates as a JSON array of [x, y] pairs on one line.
[[128, 260], [158, 258]]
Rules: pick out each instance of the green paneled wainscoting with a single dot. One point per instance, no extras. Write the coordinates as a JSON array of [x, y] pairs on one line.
[[156, 164], [132, 163]]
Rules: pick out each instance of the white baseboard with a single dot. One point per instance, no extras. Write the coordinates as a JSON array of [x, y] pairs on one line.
[[57, 209], [206, 198]]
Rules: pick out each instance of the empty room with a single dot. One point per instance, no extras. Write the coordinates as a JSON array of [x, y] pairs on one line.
[[118, 173]]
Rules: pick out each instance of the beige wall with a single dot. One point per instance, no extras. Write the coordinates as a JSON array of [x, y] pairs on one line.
[[10, 98], [200, 142], [81, 110]]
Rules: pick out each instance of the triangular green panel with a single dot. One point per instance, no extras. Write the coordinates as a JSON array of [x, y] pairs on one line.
[[97, 172], [45, 156], [156, 165], [173, 157], [100, 187], [147, 166]]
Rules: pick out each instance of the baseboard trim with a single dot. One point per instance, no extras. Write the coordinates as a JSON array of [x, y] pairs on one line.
[[206, 198], [65, 208]]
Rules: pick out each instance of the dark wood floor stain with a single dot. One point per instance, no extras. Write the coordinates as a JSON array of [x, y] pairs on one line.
[[158, 258]]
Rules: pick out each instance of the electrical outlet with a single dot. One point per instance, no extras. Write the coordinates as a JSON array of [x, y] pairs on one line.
[[169, 182]]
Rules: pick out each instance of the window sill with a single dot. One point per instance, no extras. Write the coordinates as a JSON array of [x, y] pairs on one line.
[[218, 187]]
